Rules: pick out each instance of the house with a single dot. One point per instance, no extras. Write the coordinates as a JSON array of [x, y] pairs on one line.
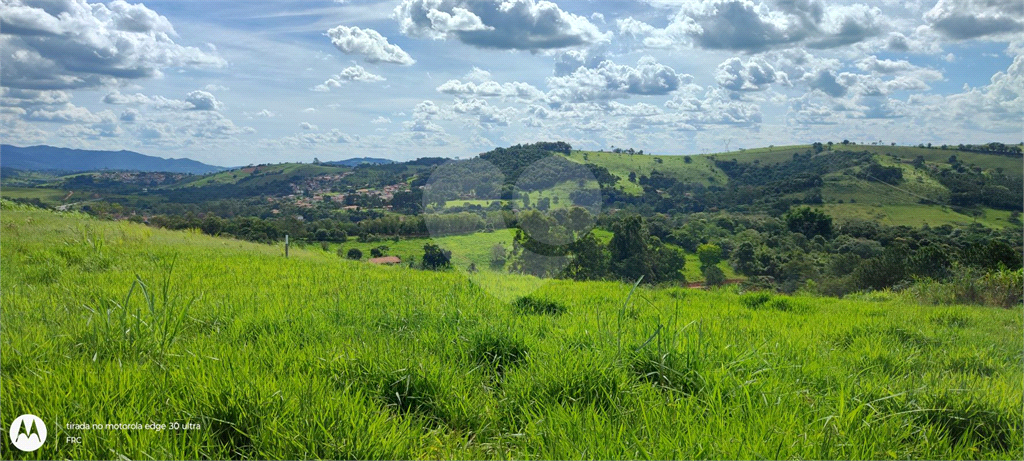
[[386, 260]]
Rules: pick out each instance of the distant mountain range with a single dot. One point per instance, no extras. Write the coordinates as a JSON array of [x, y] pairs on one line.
[[71, 160], [49, 158], [359, 161]]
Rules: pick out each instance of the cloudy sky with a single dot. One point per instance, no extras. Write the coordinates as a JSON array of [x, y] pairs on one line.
[[233, 83]]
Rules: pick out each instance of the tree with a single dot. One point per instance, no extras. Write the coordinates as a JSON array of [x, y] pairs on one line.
[[713, 275], [809, 222], [435, 257], [498, 256], [630, 252], [379, 251], [709, 254], [354, 253], [632, 176], [588, 259]]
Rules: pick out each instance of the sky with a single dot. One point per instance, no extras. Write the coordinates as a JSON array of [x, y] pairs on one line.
[[237, 83]]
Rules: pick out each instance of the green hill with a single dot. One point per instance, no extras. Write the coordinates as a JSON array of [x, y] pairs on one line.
[[919, 197], [242, 353]]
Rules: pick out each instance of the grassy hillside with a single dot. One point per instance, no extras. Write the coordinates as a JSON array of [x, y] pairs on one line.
[[263, 174], [315, 356], [701, 169]]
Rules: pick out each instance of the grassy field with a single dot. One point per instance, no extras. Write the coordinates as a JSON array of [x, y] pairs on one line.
[[267, 172], [318, 357], [701, 169], [46, 195], [914, 215]]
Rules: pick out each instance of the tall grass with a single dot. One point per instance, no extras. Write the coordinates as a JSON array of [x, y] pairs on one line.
[[315, 356]]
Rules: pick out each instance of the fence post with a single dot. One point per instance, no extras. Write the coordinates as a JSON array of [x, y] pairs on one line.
[[285, 245]]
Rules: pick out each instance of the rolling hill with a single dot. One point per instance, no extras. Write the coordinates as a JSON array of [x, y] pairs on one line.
[[49, 158]]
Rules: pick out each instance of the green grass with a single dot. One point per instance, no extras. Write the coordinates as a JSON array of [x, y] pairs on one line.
[[318, 357], [701, 169], [46, 195], [264, 174], [914, 215], [466, 249]]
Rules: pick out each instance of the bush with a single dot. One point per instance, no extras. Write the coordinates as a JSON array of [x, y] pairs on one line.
[[1002, 288], [713, 275], [354, 253], [435, 257], [534, 305]]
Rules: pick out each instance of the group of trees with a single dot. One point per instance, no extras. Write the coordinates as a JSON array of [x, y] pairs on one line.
[[567, 248]]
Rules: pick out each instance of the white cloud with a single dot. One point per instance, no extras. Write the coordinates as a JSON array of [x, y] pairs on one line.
[[380, 120], [203, 100], [308, 126], [511, 24], [373, 46], [195, 100], [349, 74], [512, 90], [754, 75], [609, 80], [70, 113], [486, 115], [967, 19], [74, 44], [743, 25]]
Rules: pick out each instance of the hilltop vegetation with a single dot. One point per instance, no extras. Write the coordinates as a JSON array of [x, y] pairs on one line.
[[316, 356]]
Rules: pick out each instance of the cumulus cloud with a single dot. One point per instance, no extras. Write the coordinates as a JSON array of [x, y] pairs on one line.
[[369, 43], [74, 44], [16, 97], [308, 126], [508, 90], [349, 74], [743, 25], [70, 113], [203, 100], [512, 24], [998, 106], [891, 67], [754, 75], [380, 120], [567, 62], [609, 80], [966, 19], [678, 33], [129, 116], [486, 115], [195, 100]]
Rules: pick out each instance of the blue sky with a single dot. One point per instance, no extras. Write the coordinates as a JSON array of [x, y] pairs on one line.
[[233, 83]]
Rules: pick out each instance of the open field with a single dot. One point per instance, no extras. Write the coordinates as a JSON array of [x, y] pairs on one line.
[[263, 174], [701, 169], [914, 215], [46, 195], [316, 356]]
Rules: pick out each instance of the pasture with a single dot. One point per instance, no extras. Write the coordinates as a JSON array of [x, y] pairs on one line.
[[315, 356]]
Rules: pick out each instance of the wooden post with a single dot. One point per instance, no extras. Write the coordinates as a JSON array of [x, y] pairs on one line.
[[285, 245]]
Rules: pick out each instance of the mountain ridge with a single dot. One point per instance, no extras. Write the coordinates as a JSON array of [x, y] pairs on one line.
[[50, 158]]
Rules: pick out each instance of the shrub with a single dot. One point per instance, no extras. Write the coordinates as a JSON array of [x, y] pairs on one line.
[[435, 257], [1002, 288], [713, 275], [354, 253], [535, 305], [756, 299]]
